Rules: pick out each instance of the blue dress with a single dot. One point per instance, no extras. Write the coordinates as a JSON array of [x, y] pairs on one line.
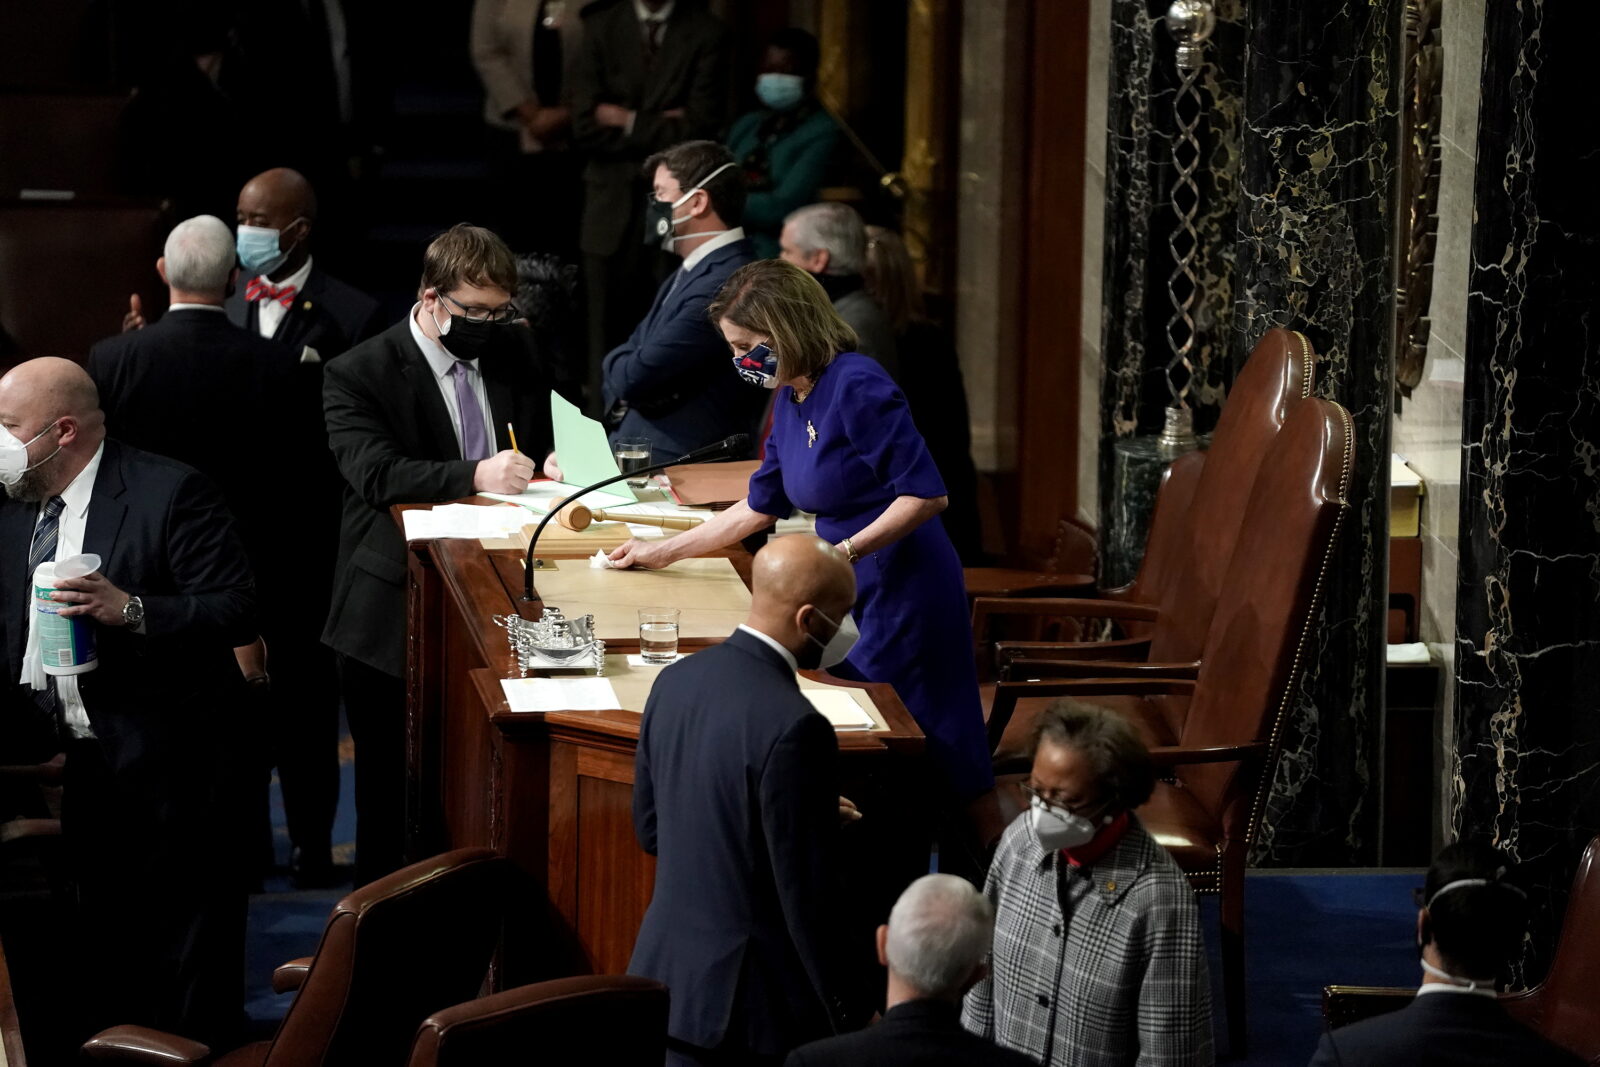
[[911, 603]]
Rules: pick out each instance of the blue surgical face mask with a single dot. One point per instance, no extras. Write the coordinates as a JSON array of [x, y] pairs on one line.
[[780, 91], [758, 367], [259, 249]]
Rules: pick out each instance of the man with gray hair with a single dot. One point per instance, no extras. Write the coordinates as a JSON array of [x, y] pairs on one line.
[[934, 946], [152, 383], [829, 241]]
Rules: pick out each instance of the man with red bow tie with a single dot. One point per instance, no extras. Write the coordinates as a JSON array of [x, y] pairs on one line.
[[268, 453]]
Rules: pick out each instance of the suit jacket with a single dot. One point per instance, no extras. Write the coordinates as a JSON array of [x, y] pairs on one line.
[[394, 443], [874, 333], [689, 72], [1458, 1029], [676, 371], [502, 52], [327, 315], [736, 789], [158, 384], [159, 701], [926, 1033]]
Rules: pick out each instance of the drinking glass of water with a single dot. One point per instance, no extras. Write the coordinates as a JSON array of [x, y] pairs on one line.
[[632, 454], [658, 634]]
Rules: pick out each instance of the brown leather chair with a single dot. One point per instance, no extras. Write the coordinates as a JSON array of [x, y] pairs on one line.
[[1564, 1007], [1173, 603], [393, 952], [69, 268], [11, 1052], [617, 1020], [59, 141], [1068, 569], [1220, 762]]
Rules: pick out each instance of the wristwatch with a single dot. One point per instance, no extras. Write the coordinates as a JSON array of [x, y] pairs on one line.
[[133, 612]]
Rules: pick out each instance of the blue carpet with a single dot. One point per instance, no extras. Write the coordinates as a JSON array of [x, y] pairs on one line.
[[1305, 930]]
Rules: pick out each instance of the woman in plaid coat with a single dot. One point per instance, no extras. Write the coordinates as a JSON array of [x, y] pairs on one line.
[[1097, 959]]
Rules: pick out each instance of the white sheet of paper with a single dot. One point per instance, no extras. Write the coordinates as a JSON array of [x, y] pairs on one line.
[[540, 497], [560, 694], [839, 708], [463, 520]]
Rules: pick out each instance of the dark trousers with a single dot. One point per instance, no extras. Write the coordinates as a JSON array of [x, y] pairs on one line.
[[303, 725], [375, 706], [160, 932]]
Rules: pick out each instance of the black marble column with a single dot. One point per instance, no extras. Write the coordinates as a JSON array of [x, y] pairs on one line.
[[1137, 262], [1315, 253], [1527, 694]]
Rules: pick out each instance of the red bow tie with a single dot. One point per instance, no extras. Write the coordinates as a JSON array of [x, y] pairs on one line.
[[261, 289]]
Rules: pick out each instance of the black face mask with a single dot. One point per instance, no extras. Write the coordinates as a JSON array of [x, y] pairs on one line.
[[658, 222], [470, 340]]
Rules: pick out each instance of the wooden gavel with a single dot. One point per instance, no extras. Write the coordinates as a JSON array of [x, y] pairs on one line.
[[575, 516]]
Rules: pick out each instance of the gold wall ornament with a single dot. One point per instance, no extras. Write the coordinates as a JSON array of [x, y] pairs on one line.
[[1419, 189]]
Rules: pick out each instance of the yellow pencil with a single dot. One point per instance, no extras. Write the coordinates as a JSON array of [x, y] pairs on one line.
[[513, 432]]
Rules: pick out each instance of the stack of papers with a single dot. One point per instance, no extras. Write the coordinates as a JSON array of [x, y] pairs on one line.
[[560, 694], [463, 520], [839, 708]]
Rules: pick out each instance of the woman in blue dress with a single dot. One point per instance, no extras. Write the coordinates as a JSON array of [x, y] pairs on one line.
[[843, 446]]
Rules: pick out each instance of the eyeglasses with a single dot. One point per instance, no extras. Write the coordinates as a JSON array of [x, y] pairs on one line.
[[501, 315], [1054, 799]]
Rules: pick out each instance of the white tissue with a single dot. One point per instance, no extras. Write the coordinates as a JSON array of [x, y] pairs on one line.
[[601, 562]]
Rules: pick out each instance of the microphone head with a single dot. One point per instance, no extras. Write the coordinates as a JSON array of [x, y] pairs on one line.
[[735, 443]]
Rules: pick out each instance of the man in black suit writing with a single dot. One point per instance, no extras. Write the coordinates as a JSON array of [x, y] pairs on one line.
[[1470, 923], [418, 415], [147, 733], [736, 792], [151, 381], [934, 945], [651, 74]]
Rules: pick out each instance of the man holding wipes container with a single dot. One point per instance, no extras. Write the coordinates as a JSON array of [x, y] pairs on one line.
[[141, 691]]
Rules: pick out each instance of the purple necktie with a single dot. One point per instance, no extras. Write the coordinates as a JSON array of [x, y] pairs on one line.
[[474, 442]]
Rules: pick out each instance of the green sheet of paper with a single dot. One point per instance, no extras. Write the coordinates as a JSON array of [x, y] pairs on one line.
[[582, 449]]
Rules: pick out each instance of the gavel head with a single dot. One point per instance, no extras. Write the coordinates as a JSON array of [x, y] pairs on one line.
[[575, 516]]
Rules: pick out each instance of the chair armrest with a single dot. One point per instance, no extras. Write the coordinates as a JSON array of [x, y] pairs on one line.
[[49, 773], [1007, 581], [1121, 649], [140, 1044], [1173, 756], [1095, 687], [289, 977], [1054, 668], [1345, 1004], [27, 829], [1065, 606]]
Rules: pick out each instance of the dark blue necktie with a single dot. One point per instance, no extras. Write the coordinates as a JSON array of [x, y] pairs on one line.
[[43, 550]]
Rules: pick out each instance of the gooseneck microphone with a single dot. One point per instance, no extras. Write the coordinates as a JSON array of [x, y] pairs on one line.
[[728, 446]]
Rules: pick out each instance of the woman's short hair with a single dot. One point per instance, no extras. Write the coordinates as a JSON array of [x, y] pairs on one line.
[[891, 277], [791, 309], [468, 255], [1121, 763], [803, 49]]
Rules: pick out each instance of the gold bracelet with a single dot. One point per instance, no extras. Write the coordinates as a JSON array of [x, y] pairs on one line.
[[850, 552]]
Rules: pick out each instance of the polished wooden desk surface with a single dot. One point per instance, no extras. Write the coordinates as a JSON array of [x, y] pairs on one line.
[[552, 791]]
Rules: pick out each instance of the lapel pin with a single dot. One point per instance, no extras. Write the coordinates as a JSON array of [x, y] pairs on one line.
[[306, 306]]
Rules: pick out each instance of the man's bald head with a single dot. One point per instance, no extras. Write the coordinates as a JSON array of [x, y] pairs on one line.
[[280, 192], [48, 394], [48, 388], [792, 579]]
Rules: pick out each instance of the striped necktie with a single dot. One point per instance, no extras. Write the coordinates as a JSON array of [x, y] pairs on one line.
[[43, 550]]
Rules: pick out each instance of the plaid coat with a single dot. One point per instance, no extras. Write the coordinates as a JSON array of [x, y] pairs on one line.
[[1126, 984]]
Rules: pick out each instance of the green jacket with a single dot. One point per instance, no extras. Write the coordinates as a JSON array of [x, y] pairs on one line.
[[798, 161]]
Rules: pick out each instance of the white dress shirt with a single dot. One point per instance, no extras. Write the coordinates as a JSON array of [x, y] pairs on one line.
[[770, 642], [70, 525], [721, 240], [441, 362], [1447, 987], [646, 16], [269, 313], [194, 307]]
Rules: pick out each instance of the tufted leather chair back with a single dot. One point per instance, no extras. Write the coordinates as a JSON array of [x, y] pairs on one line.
[[392, 953], [1564, 1007], [1265, 615]]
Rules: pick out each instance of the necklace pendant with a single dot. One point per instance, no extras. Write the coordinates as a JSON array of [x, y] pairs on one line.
[[811, 434]]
